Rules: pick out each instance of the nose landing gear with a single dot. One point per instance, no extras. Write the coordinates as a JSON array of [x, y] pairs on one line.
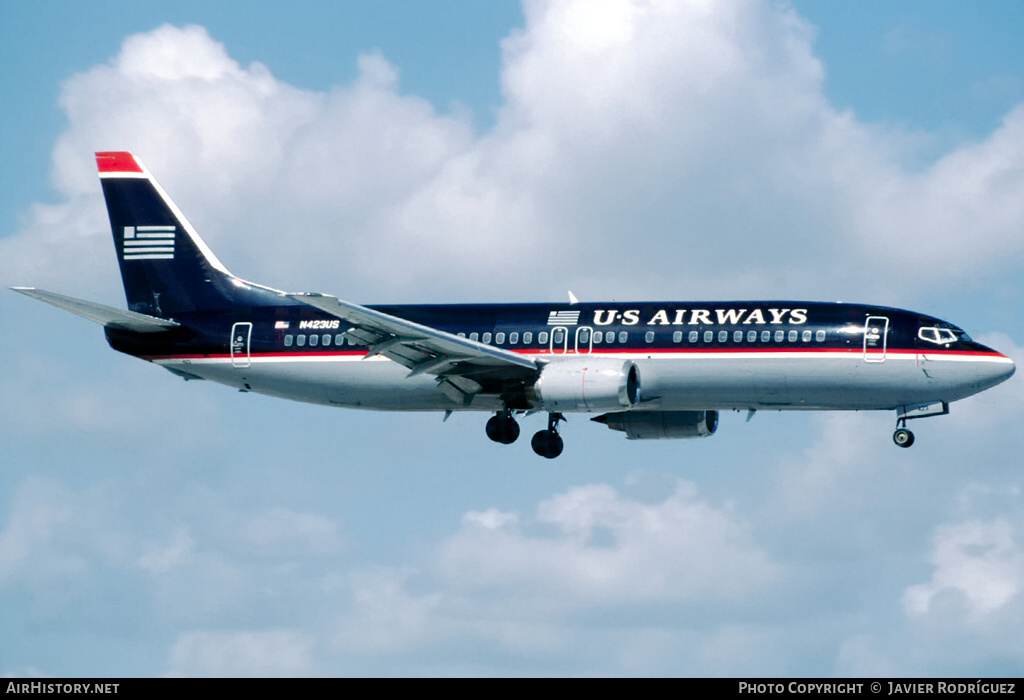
[[548, 443], [903, 437]]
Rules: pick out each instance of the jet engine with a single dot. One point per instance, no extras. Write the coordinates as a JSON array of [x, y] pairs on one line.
[[662, 425], [588, 384]]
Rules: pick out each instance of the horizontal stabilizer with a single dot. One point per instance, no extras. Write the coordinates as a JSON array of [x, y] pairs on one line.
[[107, 316]]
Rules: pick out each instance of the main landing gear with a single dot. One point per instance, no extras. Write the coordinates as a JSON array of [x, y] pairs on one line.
[[502, 427], [548, 443]]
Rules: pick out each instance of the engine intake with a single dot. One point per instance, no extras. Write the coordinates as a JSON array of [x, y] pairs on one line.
[[589, 384], [662, 425]]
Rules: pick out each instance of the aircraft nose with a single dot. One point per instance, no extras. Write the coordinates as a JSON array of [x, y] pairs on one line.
[[1010, 369], [1002, 369]]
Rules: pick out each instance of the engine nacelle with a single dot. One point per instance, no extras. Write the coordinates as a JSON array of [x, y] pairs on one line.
[[662, 425], [588, 384]]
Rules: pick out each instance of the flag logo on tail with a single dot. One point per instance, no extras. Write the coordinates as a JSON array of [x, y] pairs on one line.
[[148, 243]]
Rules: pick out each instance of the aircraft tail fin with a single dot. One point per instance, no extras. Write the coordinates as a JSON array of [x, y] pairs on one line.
[[166, 267]]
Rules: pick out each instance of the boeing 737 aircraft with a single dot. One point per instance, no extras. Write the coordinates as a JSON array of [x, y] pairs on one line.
[[652, 370]]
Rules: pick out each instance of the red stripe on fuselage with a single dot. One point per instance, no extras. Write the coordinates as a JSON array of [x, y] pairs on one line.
[[603, 351]]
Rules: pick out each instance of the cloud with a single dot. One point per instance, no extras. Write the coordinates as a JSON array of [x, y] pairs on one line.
[[962, 214], [162, 559], [831, 473], [978, 563], [38, 513], [652, 137], [261, 653], [385, 617], [521, 582], [968, 613], [591, 546], [284, 530]]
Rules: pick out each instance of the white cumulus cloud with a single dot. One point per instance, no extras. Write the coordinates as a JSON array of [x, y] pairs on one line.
[[592, 546], [980, 563], [640, 136]]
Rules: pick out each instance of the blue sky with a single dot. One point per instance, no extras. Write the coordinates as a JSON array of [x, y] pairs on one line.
[[399, 151]]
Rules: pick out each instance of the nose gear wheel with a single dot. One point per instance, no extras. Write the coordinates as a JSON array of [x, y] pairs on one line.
[[903, 437]]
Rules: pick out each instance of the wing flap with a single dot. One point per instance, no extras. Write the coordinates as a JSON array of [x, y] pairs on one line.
[[422, 349]]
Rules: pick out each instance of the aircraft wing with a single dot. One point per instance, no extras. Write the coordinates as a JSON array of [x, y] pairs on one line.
[[98, 313], [463, 367]]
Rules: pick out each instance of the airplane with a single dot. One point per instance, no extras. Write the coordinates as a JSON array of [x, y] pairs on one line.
[[652, 370]]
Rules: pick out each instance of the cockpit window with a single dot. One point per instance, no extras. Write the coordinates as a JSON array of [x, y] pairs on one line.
[[939, 336], [958, 332]]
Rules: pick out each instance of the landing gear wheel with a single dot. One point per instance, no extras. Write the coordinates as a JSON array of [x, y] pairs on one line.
[[502, 427], [903, 437], [547, 443]]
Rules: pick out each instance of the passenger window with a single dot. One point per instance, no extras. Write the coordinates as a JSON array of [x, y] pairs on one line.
[[780, 336], [558, 336], [288, 339], [542, 337], [623, 336], [300, 340], [693, 336], [751, 336], [527, 337], [709, 336], [584, 336], [461, 335], [326, 340], [723, 336], [677, 337], [766, 336], [474, 336], [737, 336], [649, 336], [339, 339], [792, 336], [805, 336], [314, 340], [820, 336], [499, 338], [598, 337], [513, 338], [486, 339]]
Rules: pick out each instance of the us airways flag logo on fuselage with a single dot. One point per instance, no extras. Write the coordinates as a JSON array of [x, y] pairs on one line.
[[148, 243], [563, 318]]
